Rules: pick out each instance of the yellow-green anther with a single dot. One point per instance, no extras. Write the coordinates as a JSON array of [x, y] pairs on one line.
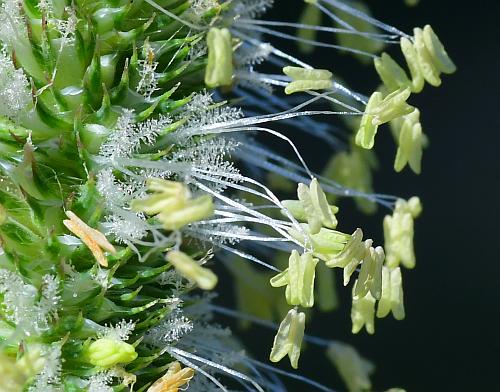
[[370, 276], [353, 369], [325, 244], [426, 63], [311, 16], [219, 70], [320, 203], [192, 211], [392, 75], [410, 145], [439, 56], [355, 261], [398, 233], [172, 204], [107, 353], [312, 207], [304, 79], [190, 269], [16, 373], [410, 53], [312, 215], [299, 279], [392, 106], [365, 137], [392, 299], [289, 338], [353, 249], [363, 313]]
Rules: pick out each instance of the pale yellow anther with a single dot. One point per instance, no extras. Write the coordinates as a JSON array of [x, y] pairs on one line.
[[354, 369], [410, 145], [365, 137], [363, 313], [94, 239], [304, 79], [426, 63], [175, 378], [355, 261], [190, 269], [353, 249], [398, 233], [312, 207], [410, 53], [392, 294], [172, 204], [370, 276], [392, 75], [219, 70], [439, 56], [298, 279], [392, 106], [326, 243], [289, 338]]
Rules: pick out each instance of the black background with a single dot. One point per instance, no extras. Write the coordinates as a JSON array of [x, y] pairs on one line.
[[449, 340]]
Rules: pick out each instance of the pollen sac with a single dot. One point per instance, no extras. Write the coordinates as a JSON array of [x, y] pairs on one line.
[[365, 137], [354, 369], [289, 338], [175, 378], [190, 269], [393, 76], [110, 352], [326, 244], [411, 141], [392, 294], [439, 56], [304, 79], [363, 313], [312, 207], [172, 204], [428, 67], [398, 233], [370, 276], [219, 70], [392, 106], [410, 54], [298, 279]]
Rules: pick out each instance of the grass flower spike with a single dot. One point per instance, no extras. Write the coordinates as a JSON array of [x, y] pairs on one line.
[[149, 155]]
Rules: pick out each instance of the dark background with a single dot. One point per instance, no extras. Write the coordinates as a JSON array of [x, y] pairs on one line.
[[449, 340]]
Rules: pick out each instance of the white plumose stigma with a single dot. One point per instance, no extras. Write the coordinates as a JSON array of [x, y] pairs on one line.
[[15, 95]]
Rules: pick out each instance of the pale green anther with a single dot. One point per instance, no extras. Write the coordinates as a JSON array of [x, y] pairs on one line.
[[219, 70], [192, 211], [325, 244], [298, 73], [355, 261], [363, 313], [410, 53], [203, 277], [410, 145], [392, 106], [353, 249], [298, 279], [354, 369], [439, 56], [312, 215], [392, 299], [392, 75], [425, 59], [304, 79], [289, 338], [310, 1], [321, 205], [107, 353], [365, 137], [398, 233], [370, 276], [172, 204]]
